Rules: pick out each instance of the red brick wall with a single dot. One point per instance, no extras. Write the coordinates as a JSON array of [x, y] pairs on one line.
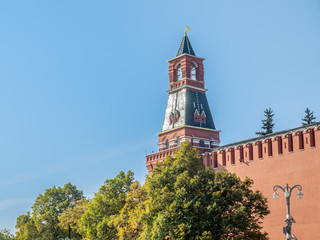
[[183, 132], [299, 166]]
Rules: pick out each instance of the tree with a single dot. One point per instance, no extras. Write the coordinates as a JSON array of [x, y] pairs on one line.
[[106, 204], [26, 228], [69, 219], [309, 118], [43, 223], [267, 124], [129, 222], [188, 201], [5, 234]]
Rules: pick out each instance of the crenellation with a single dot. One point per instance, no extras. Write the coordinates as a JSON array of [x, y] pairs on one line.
[[311, 137], [233, 154], [270, 142]]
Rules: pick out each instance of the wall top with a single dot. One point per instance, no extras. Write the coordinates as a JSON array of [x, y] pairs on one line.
[[268, 136]]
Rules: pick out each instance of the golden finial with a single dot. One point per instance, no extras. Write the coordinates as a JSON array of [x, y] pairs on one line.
[[187, 28]]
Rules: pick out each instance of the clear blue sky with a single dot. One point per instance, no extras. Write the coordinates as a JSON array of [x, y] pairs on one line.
[[83, 83]]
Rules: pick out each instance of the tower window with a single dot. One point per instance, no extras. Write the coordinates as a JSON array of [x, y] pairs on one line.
[[196, 116], [211, 142], [178, 141], [201, 143], [176, 116], [171, 118], [167, 144], [179, 73], [193, 72], [203, 117]]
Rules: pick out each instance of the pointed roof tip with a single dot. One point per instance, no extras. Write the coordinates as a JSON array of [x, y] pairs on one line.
[[185, 46]]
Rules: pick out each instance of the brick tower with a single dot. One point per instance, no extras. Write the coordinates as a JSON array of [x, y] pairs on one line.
[[188, 114], [290, 156]]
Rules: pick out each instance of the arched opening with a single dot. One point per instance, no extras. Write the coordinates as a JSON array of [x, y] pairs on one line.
[[193, 72], [178, 141], [179, 73], [167, 144], [211, 142], [201, 143]]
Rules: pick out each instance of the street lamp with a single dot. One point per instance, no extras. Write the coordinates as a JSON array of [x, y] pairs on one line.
[[289, 219]]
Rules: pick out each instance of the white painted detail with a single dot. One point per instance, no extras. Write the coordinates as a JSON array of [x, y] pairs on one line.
[[176, 101]]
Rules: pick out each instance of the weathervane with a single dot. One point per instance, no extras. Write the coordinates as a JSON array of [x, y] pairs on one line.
[[187, 28]]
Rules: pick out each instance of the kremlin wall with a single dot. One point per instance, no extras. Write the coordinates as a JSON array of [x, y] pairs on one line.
[[289, 156]]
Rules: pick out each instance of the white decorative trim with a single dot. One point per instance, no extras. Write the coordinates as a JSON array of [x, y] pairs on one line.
[[215, 142], [186, 86], [196, 64], [176, 66], [185, 54]]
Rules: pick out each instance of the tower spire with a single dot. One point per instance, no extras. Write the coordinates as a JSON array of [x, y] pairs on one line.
[[187, 115], [185, 45]]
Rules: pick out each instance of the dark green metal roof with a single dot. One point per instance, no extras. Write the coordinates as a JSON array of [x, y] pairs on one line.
[[186, 102], [185, 46]]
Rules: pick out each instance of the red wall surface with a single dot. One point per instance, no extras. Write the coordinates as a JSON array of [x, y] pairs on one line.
[[300, 166]]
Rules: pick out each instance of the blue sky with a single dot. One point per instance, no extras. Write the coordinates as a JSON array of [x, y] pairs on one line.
[[83, 83]]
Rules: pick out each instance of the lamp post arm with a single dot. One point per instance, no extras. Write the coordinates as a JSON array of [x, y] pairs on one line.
[[296, 186], [275, 188]]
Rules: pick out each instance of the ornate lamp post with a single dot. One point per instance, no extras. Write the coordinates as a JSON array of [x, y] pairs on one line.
[[289, 219]]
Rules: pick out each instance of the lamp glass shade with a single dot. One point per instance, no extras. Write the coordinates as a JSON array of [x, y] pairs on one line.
[[275, 195], [286, 194], [299, 195]]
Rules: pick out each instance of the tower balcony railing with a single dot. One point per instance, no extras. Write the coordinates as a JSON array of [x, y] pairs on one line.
[[190, 82], [155, 157]]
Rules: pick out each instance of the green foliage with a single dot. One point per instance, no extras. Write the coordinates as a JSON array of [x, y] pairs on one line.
[[71, 216], [95, 222], [309, 118], [187, 201], [267, 124], [129, 222], [182, 200], [5, 234], [26, 228], [43, 223]]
